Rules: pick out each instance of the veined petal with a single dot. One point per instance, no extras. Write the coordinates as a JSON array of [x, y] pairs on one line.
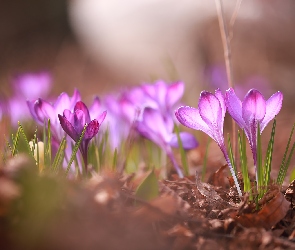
[[211, 111], [174, 93], [81, 106], [273, 107], [91, 130], [187, 139], [190, 117], [253, 107], [68, 128], [234, 107], [79, 121]]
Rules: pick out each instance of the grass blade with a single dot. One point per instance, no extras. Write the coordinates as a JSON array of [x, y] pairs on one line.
[[243, 160], [259, 167], [283, 166], [231, 155], [75, 150], [268, 157], [59, 155]]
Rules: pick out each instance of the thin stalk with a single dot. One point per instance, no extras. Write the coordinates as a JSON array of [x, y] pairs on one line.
[[228, 63]]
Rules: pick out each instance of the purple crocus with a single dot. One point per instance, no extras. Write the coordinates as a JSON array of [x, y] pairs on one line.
[[154, 127], [42, 110], [209, 118], [73, 124], [29, 86], [252, 111]]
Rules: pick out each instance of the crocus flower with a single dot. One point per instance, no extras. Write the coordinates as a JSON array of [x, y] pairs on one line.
[[42, 110], [209, 118], [29, 86], [73, 124], [252, 111], [154, 127]]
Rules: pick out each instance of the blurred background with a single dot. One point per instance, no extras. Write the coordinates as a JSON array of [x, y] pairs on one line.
[[99, 46]]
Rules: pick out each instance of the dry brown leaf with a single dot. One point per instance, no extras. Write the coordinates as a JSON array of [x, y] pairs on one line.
[[270, 214], [217, 178]]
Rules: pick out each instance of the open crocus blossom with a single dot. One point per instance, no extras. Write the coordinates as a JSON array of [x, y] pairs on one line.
[[73, 124], [252, 111], [42, 110], [159, 130], [209, 118]]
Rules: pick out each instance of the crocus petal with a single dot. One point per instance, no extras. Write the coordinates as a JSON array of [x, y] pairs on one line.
[[187, 139], [273, 107], [79, 121], [69, 115], [81, 106], [95, 109], [253, 107], [220, 97], [68, 128], [91, 130], [210, 111], [190, 117], [44, 111], [155, 122], [174, 93], [33, 113], [234, 107], [101, 117]]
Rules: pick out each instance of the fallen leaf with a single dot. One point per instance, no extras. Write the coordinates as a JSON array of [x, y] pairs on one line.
[[270, 214]]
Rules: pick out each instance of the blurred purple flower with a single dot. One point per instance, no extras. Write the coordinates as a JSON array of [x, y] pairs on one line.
[[32, 86], [218, 79], [160, 131], [73, 124], [42, 110], [253, 110], [160, 95], [209, 118], [27, 87]]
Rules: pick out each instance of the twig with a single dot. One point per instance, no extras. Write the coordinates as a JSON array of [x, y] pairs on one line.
[[227, 57]]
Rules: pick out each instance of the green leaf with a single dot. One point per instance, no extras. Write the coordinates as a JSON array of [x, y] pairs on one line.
[[259, 167], [22, 132], [149, 188], [115, 159], [284, 165], [59, 155], [269, 153], [75, 150], [231, 155], [243, 160], [15, 140]]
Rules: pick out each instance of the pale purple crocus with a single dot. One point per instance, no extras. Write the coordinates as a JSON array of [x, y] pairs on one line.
[[29, 86], [159, 130], [252, 111], [42, 110], [209, 118], [73, 124]]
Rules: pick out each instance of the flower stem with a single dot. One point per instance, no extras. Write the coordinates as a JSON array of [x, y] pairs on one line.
[[223, 149], [174, 162]]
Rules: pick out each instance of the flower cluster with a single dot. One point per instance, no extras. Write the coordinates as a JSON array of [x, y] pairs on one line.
[[209, 117]]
